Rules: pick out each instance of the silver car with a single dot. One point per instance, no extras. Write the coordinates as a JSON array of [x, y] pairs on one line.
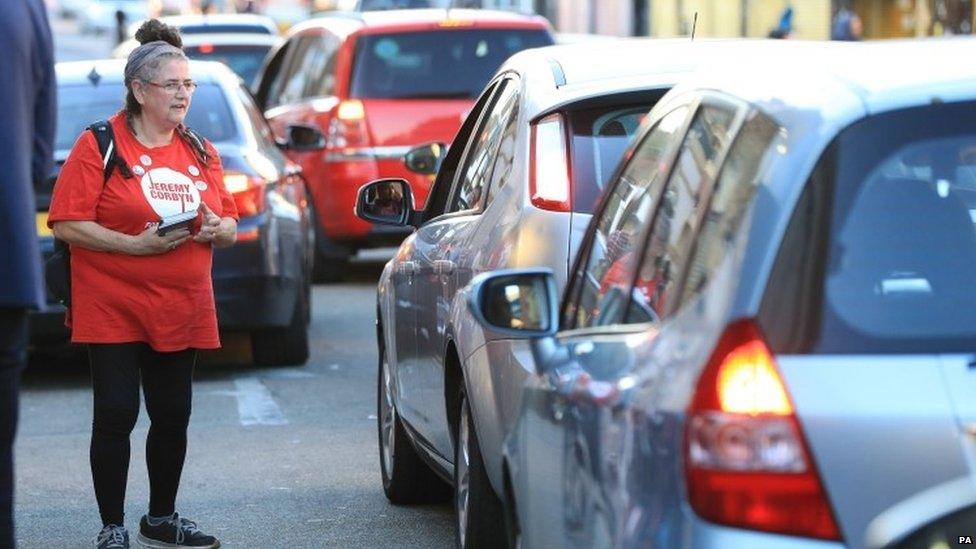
[[769, 336], [516, 188]]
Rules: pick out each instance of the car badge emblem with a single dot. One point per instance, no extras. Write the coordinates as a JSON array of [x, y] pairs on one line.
[[138, 170], [193, 171], [201, 186], [146, 161], [94, 77]]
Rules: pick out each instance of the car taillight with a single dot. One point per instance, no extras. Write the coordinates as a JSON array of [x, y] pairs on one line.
[[746, 462], [549, 178], [248, 192], [347, 129]]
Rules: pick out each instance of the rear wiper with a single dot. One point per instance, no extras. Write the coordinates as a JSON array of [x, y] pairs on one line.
[[436, 95]]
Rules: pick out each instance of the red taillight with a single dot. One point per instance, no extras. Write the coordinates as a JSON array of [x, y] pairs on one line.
[[206, 48], [549, 178], [746, 462], [248, 192], [347, 129]]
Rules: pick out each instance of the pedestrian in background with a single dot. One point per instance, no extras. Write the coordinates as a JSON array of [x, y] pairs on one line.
[[143, 300], [846, 26], [28, 108], [784, 29]]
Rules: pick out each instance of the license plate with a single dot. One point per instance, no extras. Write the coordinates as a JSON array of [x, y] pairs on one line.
[[42, 229]]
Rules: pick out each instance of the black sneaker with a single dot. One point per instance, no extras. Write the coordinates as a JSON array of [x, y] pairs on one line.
[[175, 533], [112, 537]]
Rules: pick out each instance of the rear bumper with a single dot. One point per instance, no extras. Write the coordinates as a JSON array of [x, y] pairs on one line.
[[335, 189]]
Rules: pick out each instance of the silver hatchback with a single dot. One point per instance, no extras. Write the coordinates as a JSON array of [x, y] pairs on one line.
[[769, 336]]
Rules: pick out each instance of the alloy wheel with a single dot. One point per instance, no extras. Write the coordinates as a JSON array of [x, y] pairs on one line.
[[387, 420]]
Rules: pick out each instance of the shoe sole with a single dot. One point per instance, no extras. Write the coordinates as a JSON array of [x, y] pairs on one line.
[[155, 544]]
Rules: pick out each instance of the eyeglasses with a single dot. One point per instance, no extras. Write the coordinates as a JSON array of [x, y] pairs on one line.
[[173, 86]]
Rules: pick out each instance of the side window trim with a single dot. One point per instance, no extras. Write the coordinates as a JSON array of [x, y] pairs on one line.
[[574, 289], [710, 99], [500, 84]]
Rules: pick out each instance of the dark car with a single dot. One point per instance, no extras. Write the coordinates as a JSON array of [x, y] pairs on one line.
[[261, 283]]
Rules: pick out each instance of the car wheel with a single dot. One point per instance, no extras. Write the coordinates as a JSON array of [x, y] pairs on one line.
[[406, 478], [285, 346], [330, 260], [480, 522]]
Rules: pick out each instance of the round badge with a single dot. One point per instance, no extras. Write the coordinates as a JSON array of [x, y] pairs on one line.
[[138, 170], [201, 186], [146, 161], [193, 171]]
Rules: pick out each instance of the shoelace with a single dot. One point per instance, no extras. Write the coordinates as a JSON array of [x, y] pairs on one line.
[[183, 527], [114, 534]]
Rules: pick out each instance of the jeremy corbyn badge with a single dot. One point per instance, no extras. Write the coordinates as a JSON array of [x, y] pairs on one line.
[[170, 192]]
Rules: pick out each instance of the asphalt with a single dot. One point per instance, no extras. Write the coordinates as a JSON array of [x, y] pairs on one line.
[[277, 457]]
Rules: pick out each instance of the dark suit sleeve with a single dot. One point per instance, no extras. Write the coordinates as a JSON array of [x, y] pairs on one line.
[[45, 108]]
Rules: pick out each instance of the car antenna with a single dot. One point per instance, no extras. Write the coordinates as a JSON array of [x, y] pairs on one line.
[[694, 26]]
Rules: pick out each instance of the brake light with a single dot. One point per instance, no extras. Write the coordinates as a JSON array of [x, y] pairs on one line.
[[206, 48], [549, 178], [248, 192], [347, 128], [746, 462]]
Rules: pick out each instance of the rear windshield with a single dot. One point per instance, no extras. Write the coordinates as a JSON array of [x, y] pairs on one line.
[[599, 138], [236, 28], [447, 64], [80, 105], [245, 61], [901, 252]]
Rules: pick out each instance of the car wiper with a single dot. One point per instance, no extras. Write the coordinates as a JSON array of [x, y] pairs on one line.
[[435, 95]]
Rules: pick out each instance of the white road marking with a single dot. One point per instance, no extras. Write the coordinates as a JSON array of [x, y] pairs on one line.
[[255, 405]]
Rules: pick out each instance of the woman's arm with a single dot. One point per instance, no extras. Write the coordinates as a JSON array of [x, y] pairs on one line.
[[221, 232], [91, 235]]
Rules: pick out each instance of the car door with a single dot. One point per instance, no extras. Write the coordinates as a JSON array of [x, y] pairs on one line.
[[446, 249], [411, 381], [547, 494]]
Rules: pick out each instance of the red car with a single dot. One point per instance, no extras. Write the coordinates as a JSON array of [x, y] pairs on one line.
[[378, 84]]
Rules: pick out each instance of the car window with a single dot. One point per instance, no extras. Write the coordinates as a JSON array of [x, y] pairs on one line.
[[321, 68], [472, 184], [676, 222], [245, 61], [449, 64], [603, 277], [734, 190], [899, 240], [508, 135], [295, 78], [270, 77], [257, 124]]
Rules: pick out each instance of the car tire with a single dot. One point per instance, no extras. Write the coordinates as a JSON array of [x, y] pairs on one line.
[[330, 260], [480, 520], [285, 346], [406, 478]]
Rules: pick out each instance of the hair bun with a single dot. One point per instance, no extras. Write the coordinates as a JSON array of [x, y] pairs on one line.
[[153, 30]]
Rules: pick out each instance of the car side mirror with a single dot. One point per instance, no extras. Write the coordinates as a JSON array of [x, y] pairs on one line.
[[518, 303], [386, 201], [425, 159], [303, 138]]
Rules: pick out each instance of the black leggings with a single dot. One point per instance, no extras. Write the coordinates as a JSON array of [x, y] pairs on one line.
[[166, 381]]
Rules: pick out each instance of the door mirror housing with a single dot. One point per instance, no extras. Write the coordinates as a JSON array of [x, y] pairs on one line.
[[518, 303], [425, 159], [385, 201], [302, 138]]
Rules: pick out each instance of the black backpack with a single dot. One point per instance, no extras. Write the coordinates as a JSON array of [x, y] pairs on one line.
[[57, 269]]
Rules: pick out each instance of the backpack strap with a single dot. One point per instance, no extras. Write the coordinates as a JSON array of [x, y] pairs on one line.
[[196, 142], [111, 159]]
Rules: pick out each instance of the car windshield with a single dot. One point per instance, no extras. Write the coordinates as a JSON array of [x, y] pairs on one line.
[[82, 104], [446, 64], [902, 256], [237, 28], [599, 138], [243, 60]]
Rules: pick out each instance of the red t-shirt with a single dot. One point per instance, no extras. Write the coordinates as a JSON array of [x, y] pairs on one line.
[[165, 300]]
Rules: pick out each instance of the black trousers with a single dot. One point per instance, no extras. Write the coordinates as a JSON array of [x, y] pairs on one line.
[[13, 356], [166, 379]]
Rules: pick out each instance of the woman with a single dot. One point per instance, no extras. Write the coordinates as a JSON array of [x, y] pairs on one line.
[[143, 302]]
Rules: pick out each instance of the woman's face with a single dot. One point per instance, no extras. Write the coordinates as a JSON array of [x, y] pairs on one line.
[[166, 98]]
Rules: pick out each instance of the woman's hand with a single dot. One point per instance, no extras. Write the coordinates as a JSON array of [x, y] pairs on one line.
[[150, 243], [218, 231]]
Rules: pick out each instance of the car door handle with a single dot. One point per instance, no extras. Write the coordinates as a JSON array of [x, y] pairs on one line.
[[407, 268], [443, 266]]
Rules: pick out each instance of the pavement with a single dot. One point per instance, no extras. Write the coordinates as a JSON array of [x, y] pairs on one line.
[[281, 457]]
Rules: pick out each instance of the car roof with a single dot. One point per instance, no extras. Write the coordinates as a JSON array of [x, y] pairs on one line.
[[845, 83], [110, 71], [344, 23], [266, 24], [561, 74]]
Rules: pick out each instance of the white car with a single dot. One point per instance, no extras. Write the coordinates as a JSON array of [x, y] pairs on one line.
[[99, 16]]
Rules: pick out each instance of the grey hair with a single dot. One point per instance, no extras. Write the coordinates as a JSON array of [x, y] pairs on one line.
[[143, 64]]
